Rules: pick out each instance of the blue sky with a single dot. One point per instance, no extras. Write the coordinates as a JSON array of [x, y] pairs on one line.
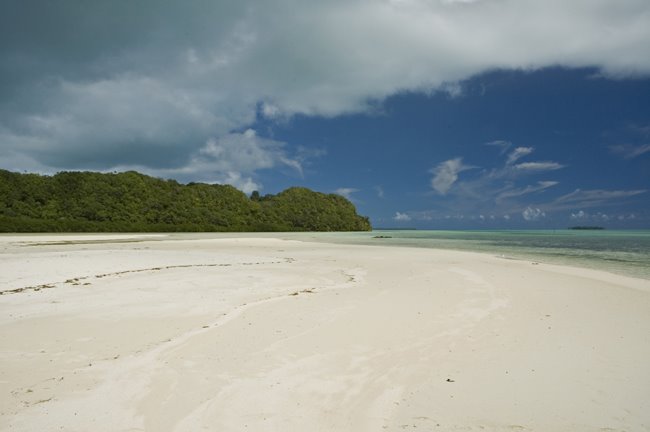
[[568, 134], [425, 113]]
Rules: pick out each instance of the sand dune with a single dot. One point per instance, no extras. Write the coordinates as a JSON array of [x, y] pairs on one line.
[[275, 335]]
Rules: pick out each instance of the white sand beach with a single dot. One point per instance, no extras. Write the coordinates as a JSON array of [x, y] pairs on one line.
[[129, 333]]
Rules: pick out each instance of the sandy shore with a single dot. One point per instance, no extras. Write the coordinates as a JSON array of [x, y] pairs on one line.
[[127, 333]]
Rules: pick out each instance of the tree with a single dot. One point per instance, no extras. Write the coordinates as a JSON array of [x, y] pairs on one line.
[[130, 201]]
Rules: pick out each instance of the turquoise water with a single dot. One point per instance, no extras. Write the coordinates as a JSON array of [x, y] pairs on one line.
[[622, 252]]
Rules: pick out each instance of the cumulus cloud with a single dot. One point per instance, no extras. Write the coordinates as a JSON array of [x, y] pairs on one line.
[[533, 214], [176, 75], [243, 183], [244, 152], [446, 174], [233, 159], [595, 217], [401, 217], [579, 215]]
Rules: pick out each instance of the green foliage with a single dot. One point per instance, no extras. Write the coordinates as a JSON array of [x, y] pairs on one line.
[[306, 210], [133, 202]]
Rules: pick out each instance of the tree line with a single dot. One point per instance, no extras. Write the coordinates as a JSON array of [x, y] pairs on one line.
[[134, 202]]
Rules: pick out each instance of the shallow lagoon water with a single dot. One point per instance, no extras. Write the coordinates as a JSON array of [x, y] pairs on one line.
[[623, 252]]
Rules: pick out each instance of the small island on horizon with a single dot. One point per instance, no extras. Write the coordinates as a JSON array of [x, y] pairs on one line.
[[586, 227]]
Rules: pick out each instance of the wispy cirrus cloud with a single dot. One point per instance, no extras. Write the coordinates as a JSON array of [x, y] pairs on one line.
[[518, 192], [592, 198], [538, 166], [518, 153], [497, 184], [493, 193], [512, 167], [629, 151], [500, 144]]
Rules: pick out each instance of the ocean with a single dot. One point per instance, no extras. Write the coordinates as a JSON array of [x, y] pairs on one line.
[[623, 252]]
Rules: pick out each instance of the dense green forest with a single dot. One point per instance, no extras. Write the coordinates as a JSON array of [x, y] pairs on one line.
[[134, 202]]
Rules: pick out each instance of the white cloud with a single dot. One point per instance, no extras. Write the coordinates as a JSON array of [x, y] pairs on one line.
[[270, 111], [446, 174], [501, 144], [243, 183], [346, 192], [538, 166], [516, 192], [593, 198], [122, 99], [453, 89], [518, 153], [628, 151], [512, 169], [245, 152], [401, 217], [595, 217], [581, 215], [492, 191], [533, 214], [232, 159], [380, 191]]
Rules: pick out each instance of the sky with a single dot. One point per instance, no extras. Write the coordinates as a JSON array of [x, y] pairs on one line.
[[440, 114]]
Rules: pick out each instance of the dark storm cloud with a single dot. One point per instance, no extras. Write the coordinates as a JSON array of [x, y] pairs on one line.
[[150, 83]]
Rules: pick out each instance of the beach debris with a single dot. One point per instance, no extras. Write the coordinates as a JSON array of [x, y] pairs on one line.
[[77, 280], [32, 288], [450, 380], [307, 291]]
